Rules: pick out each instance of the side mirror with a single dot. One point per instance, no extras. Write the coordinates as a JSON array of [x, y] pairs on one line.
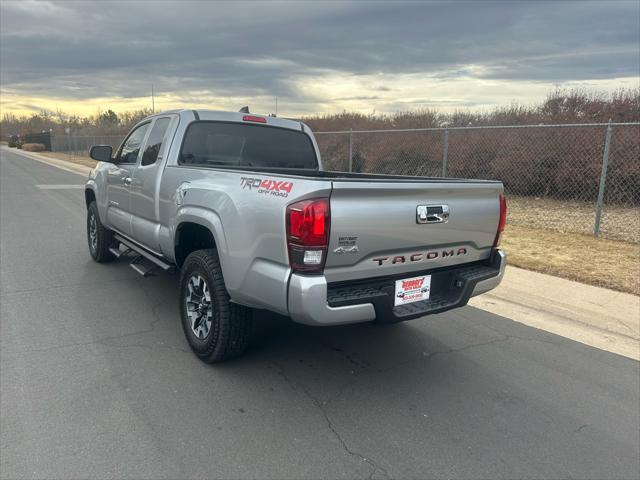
[[101, 153]]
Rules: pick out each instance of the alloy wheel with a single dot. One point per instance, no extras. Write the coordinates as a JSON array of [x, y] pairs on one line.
[[199, 308]]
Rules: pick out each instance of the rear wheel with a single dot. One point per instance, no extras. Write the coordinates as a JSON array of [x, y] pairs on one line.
[[99, 238], [215, 328]]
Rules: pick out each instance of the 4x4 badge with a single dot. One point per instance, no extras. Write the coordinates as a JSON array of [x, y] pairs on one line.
[[351, 249]]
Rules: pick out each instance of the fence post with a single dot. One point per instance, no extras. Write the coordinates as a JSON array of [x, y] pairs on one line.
[[603, 179], [445, 152], [350, 151], [67, 130]]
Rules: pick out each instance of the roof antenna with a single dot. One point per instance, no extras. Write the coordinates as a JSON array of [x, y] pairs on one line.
[[244, 110]]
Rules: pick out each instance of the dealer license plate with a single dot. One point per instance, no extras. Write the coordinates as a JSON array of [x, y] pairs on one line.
[[411, 290]]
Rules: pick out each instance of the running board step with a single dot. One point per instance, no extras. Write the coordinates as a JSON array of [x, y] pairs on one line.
[[116, 252], [145, 254], [143, 266]]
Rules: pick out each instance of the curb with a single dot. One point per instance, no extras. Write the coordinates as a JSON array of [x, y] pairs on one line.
[[595, 316]]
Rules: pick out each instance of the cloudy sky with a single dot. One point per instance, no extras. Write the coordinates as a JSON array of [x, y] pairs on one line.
[[315, 57]]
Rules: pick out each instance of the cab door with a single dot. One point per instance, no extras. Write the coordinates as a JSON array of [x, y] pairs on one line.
[[119, 179], [145, 215]]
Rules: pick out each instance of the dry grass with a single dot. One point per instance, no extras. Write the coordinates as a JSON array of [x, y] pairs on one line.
[[33, 147], [618, 222], [80, 160], [595, 261]]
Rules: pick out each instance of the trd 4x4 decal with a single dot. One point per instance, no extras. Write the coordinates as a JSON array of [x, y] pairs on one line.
[[279, 188]]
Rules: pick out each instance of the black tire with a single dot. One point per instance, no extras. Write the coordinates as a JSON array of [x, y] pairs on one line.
[[220, 330], [98, 246]]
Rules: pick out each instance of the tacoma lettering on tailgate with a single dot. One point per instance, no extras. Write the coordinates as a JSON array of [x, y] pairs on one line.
[[421, 257]]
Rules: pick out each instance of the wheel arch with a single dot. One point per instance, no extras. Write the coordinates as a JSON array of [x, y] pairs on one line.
[[193, 234], [89, 196]]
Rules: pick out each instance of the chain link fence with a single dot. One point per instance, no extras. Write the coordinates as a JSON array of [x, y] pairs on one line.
[[80, 145], [582, 178]]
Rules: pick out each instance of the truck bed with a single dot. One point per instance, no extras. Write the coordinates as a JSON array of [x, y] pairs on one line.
[[346, 176]]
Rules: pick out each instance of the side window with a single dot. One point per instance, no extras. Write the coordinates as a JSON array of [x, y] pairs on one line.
[[154, 143], [131, 146]]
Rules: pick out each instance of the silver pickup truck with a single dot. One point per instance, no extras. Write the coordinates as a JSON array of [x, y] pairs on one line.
[[239, 204]]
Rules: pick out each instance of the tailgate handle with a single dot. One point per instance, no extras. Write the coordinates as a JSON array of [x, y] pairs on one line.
[[432, 214]]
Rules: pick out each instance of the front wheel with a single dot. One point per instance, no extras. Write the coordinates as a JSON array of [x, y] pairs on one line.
[[99, 238], [216, 329]]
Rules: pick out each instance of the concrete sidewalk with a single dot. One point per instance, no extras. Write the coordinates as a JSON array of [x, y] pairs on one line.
[[595, 316], [61, 164]]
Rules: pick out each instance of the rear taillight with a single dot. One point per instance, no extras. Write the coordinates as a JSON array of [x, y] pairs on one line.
[[502, 222], [308, 234]]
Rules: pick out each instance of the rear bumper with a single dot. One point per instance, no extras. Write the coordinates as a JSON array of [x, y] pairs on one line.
[[499, 263], [312, 301]]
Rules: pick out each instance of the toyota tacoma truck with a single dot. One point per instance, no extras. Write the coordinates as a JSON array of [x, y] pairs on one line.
[[240, 206]]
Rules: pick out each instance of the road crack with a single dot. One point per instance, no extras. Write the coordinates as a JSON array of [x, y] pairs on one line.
[[105, 341], [375, 467]]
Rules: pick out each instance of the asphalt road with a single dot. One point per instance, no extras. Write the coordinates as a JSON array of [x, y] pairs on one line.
[[97, 381]]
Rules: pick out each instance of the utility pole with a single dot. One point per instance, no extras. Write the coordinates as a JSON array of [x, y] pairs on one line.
[[276, 106], [153, 102]]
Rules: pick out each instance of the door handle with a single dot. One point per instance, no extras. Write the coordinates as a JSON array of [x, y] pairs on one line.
[[432, 214], [127, 180]]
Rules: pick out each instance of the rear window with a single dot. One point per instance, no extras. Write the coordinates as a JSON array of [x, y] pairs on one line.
[[219, 144]]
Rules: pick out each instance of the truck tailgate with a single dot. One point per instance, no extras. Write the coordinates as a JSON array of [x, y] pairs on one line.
[[375, 229]]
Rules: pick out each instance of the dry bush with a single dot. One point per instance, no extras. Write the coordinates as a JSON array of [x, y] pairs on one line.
[[33, 147]]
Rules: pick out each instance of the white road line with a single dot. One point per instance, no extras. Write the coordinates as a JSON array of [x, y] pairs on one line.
[[59, 187]]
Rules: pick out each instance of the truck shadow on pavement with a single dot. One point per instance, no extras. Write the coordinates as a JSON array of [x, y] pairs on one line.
[[356, 347]]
